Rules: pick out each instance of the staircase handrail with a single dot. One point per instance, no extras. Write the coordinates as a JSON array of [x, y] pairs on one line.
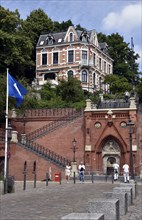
[[52, 126], [46, 153]]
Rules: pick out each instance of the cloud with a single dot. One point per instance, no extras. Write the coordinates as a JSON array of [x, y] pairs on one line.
[[128, 19]]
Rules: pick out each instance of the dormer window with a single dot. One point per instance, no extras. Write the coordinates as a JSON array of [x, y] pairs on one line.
[[50, 39], [84, 36], [71, 37]]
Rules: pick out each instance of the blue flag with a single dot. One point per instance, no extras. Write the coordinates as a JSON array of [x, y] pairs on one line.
[[16, 90]]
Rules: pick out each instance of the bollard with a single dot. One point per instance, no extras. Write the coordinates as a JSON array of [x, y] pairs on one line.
[[106, 177], [34, 172], [25, 173], [46, 179], [92, 175], [74, 177], [60, 178], [112, 177]]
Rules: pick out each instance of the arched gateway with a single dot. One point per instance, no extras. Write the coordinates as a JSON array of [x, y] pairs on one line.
[[107, 135], [110, 155]]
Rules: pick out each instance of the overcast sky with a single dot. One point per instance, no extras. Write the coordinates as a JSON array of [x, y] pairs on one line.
[[106, 16]]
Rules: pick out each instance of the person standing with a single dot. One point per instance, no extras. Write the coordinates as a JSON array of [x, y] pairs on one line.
[[116, 171], [68, 172], [127, 95], [126, 173], [81, 169]]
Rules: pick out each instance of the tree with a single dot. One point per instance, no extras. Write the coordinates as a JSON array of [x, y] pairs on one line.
[[15, 47], [139, 90], [63, 26], [70, 91], [124, 63], [36, 23], [2, 96], [117, 84], [78, 27]]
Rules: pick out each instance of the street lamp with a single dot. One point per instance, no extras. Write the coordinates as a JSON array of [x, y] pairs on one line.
[[74, 148], [9, 136], [130, 124]]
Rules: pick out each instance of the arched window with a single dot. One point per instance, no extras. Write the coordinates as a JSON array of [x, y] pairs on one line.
[[70, 74], [84, 76], [71, 37]]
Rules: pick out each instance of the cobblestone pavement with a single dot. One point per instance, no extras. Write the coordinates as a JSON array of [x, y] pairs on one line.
[[56, 200]]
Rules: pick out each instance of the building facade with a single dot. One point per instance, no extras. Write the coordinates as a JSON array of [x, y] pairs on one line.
[[101, 132], [73, 53]]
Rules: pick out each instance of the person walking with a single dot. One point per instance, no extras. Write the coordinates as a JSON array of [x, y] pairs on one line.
[[68, 172], [116, 171], [81, 169], [126, 173]]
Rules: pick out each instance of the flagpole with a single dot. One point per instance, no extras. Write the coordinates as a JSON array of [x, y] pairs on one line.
[[6, 141]]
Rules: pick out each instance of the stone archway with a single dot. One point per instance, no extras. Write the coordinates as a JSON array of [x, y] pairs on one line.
[[110, 154]]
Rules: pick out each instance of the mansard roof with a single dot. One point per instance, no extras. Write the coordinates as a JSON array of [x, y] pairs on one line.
[[81, 36]]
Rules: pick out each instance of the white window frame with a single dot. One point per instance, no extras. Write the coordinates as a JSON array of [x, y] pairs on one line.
[[41, 59], [71, 49]]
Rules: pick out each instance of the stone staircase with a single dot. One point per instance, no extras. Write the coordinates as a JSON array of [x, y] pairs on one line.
[[43, 152], [53, 126]]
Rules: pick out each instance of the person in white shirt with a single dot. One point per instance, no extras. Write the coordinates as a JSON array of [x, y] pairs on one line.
[[116, 171], [81, 169], [126, 173], [68, 172]]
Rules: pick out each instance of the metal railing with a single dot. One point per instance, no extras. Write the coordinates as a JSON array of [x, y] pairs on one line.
[[53, 126], [116, 103], [53, 112], [45, 153]]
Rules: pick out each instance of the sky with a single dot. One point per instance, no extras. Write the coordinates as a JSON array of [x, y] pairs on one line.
[[106, 16]]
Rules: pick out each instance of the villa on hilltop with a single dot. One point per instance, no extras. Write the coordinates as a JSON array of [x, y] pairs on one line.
[[73, 53]]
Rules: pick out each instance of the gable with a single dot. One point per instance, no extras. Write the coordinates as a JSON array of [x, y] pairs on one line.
[[71, 35]]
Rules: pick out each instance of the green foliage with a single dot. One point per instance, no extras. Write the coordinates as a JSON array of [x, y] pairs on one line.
[[61, 27], [124, 63], [118, 84], [15, 47], [1, 177], [139, 90], [70, 91], [36, 23], [2, 94]]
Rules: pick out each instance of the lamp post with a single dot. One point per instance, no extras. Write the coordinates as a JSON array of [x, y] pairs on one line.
[[130, 124], [74, 148], [9, 136]]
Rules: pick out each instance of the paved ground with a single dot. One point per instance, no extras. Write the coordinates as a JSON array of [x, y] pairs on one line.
[[55, 200]]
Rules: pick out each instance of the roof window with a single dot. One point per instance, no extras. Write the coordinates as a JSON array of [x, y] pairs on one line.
[[41, 42]]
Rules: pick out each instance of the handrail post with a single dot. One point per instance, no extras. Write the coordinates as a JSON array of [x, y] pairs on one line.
[[92, 175], [74, 180], [34, 172], [60, 178], [47, 179], [25, 173]]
